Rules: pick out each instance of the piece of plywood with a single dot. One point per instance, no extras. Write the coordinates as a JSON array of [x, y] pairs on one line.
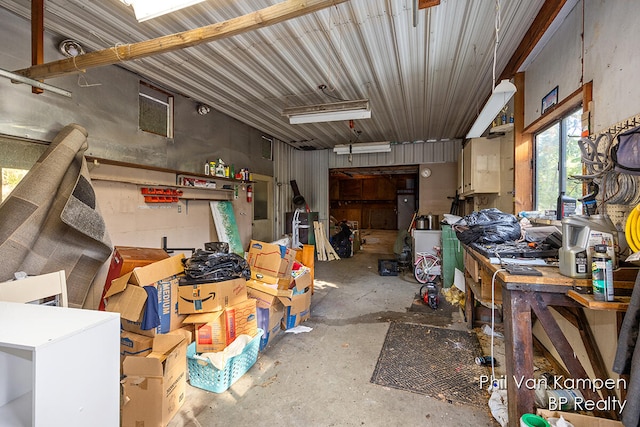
[[226, 226], [587, 300]]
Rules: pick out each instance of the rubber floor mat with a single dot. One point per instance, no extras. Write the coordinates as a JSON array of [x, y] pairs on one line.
[[436, 362]]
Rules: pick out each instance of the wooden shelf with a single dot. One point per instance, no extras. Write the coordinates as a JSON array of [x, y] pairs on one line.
[[144, 183], [18, 411], [146, 176], [508, 127], [587, 300], [97, 161]]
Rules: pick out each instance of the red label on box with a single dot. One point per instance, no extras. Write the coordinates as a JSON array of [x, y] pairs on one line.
[[230, 315], [205, 335]]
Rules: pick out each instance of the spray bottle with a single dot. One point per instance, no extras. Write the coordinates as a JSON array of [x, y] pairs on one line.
[[602, 274]]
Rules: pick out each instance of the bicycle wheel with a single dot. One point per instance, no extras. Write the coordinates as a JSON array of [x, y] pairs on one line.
[[423, 270]]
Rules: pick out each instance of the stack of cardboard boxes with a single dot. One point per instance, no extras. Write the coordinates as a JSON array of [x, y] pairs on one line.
[[162, 312], [153, 357], [218, 311], [280, 285]]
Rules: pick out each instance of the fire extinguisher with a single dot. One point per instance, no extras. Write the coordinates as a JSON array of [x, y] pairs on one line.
[[249, 194]]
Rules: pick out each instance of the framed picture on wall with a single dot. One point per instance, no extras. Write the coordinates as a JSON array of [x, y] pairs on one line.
[[550, 100]]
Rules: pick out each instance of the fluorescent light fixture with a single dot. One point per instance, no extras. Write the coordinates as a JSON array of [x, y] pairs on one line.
[[35, 83], [343, 110], [498, 99], [363, 148], [148, 9]]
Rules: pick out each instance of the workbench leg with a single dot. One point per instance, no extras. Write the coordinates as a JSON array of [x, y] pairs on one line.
[[518, 354], [469, 305], [562, 345]]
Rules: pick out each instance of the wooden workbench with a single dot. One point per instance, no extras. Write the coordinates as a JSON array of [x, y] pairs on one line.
[[525, 298]]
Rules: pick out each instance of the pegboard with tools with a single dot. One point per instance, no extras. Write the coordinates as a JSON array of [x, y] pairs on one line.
[[616, 192], [613, 190]]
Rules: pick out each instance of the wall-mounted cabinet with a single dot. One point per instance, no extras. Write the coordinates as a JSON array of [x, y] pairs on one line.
[[479, 167]]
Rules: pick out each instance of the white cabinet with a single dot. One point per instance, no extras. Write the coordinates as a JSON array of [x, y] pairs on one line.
[[480, 166], [425, 240], [58, 366]]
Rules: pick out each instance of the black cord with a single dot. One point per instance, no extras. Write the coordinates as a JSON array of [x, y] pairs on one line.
[[323, 88]]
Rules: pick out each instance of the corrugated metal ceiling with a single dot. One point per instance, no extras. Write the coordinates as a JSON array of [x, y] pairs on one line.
[[425, 83]]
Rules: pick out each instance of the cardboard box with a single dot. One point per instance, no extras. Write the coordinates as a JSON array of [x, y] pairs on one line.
[[579, 420], [215, 331], [154, 386], [303, 279], [269, 289], [134, 345], [298, 310], [125, 259], [127, 296], [271, 263], [270, 311], [209, 297], [297, 306]]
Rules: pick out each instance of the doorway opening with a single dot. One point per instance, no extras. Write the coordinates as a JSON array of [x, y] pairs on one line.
[[380, 198]]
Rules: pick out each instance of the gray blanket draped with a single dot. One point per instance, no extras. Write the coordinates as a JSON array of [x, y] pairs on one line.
[[51, 221], [627, 360]]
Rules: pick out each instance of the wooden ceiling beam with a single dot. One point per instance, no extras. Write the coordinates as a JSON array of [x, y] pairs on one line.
[[539, 26], [37, 36], [271, 15], [423, 4]]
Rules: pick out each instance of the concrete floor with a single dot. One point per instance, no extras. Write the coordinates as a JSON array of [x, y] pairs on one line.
[[322, 378]]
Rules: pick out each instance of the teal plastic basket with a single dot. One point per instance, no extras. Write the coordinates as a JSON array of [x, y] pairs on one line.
[[204, 375]]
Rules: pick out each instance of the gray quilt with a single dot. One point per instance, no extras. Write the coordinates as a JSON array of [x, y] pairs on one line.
[[51, 220]]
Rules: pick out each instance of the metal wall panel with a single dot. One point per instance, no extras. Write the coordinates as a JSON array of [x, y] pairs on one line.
[[105, 102], [424, 82], [311, 172], [310, 169], [401, 154]]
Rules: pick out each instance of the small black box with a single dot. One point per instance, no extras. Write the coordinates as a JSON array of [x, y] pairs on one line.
[[388, 267]]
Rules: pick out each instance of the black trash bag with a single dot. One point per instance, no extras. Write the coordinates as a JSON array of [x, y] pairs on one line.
[[488, 226], [626, 153], [341, 241], [208, 266]]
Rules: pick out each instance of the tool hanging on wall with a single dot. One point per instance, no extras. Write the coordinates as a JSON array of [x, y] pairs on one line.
[[632, 229], [298, 199], [589, 200], [455, 205]]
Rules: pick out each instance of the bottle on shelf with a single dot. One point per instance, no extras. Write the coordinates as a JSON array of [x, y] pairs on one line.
[[602, 274]]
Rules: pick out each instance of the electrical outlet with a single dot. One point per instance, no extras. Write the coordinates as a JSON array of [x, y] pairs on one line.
[[179, 209]]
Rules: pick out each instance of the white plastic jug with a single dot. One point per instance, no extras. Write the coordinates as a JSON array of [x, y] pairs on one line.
[[580, 233]]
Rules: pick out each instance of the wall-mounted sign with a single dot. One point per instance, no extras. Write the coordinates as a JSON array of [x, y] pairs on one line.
[[550, 100]]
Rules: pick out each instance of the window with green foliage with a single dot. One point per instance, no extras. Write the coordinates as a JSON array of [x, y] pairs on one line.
[[18, 156], [557, 158], [155, 110]]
